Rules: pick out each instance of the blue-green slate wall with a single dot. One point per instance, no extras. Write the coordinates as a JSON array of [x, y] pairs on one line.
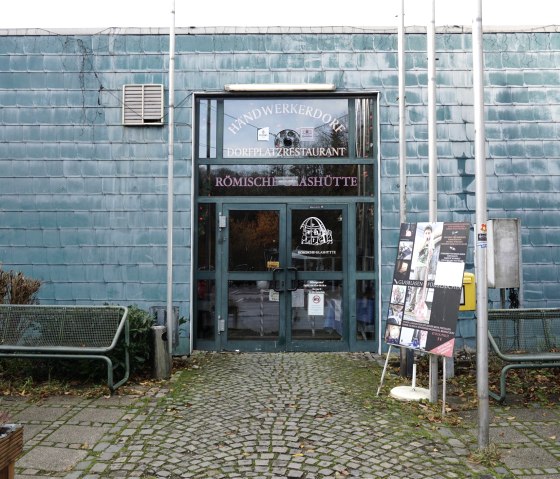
[[83, 199]]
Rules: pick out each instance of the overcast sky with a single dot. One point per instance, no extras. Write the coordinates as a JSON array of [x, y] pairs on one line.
[[100, 14]]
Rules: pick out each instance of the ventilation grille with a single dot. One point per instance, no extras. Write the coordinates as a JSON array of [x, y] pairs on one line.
[[142, 104]]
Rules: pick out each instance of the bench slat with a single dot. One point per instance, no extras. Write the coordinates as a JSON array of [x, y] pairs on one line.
[[63, 328]]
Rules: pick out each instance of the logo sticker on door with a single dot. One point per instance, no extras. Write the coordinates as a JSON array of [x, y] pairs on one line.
[[314, 232]]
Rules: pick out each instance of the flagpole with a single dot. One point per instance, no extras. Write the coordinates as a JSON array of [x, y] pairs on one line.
[[402, 146], [432, 165], [480, 239]]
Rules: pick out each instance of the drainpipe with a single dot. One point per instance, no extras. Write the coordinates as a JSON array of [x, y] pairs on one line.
[[170, 162]]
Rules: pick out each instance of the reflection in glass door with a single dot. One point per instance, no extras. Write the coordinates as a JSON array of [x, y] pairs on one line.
[[253, 242], [284, 271]]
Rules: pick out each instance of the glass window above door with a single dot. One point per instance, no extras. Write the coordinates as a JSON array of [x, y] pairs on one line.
[[286, 128]]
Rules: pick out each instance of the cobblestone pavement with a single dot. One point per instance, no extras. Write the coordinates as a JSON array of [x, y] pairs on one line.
[[277, 415]]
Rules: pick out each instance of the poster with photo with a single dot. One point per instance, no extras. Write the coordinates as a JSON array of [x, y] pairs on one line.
[[426, 290]]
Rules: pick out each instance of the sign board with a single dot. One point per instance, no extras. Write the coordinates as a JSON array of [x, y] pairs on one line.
[[298, 298], [263, 134], [504, 253], [316, 303], [427, 285]]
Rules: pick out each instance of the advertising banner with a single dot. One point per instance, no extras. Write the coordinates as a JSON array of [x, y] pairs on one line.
[[427, 284]]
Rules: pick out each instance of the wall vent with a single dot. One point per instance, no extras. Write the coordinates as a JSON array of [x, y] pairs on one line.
[[142, 104]]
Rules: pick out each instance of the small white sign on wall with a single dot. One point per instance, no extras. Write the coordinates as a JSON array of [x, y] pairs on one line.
[[298, 299], [263, 134], [307, 134]]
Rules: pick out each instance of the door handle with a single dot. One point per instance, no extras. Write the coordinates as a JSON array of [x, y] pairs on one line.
[[293, 280], [277, 284]]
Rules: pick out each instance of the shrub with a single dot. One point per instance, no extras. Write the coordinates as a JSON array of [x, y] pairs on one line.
[[15, 288], [140, 349]]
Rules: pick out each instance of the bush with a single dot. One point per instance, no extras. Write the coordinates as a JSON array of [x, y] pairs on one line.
[[140, 349], [15, 288]]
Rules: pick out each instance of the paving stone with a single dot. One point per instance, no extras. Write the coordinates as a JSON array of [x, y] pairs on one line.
[[528, 457], [51, 458], [31, 430], [40, 413], [506, 435], [99, 415], [549, 432], [82, 436], [98, 468], [532, 414]]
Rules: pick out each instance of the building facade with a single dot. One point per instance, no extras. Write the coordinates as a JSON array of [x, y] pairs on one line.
[[286, 199]]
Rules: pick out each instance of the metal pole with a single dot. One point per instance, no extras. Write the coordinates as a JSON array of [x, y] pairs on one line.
[[384, 371], [444, 389], [402, 118], [481, 239], [432, 134], [170, 162], [402, 146], [432, 164]]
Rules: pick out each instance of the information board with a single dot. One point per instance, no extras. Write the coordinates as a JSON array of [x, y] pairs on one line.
[[427, 284]]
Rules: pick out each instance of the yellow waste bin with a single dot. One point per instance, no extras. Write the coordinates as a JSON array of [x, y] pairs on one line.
[[468, 293]]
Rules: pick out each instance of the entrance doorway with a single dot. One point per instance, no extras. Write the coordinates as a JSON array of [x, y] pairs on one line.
[[284, 240], [285, 267]]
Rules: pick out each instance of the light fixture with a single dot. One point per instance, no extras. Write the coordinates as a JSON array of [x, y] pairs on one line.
[[248, 87]]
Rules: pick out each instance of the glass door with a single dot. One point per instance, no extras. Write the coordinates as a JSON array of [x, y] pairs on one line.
[[252, 313], [283, 277], [317, 241]]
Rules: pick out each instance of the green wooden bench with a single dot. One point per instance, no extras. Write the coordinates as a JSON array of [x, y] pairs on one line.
[[81, 332], [524, 338]]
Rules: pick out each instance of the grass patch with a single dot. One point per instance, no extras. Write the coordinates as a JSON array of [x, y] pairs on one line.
[[488, 457], [36, 380], [524, 386]]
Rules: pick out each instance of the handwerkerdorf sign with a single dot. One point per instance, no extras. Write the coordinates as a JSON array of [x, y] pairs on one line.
[[308, 128]]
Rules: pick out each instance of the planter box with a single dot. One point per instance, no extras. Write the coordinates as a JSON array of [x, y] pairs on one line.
[[11, 446]]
